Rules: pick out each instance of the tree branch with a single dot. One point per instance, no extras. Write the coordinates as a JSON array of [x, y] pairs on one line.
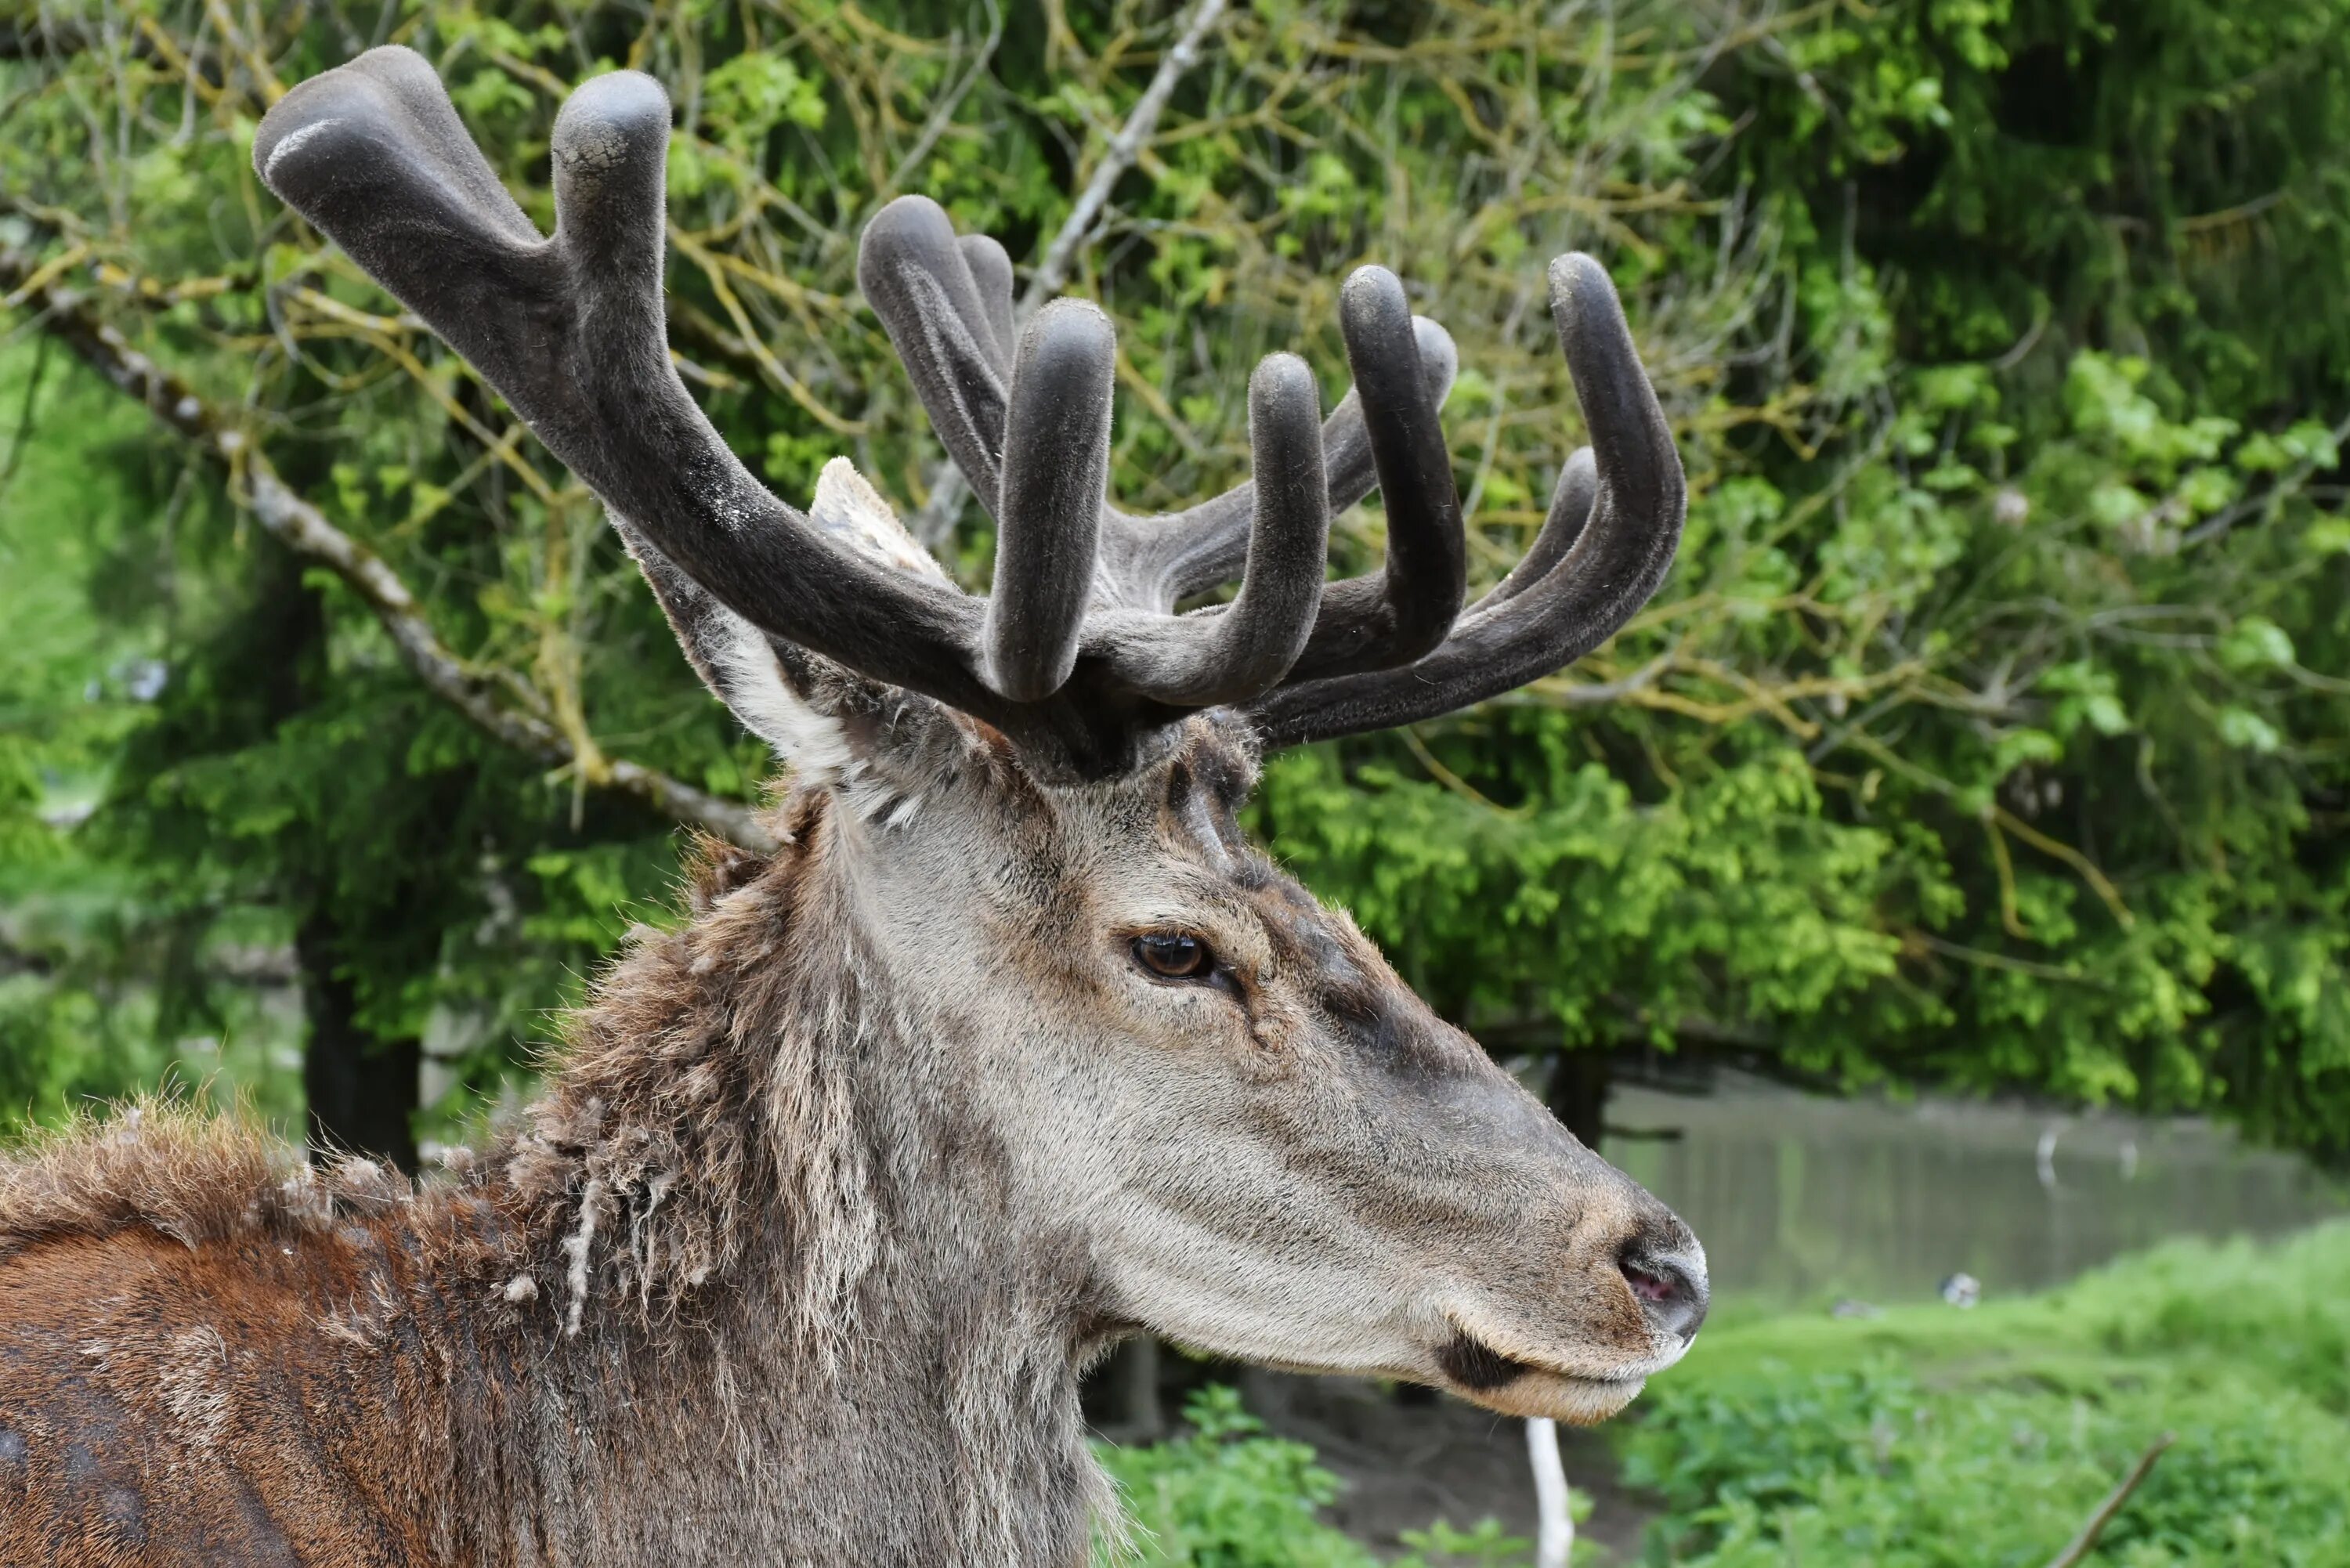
[[302, 528], [936, 518]]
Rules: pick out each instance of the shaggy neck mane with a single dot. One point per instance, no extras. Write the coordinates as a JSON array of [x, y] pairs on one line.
[[700, 1120]]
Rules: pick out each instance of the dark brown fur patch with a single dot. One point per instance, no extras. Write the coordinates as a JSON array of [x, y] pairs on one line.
[[1476, 1366]]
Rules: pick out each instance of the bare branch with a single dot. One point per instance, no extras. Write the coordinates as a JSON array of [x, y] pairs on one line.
[[935, 520], [301, 527], [1124, 148], [2087, 1542]]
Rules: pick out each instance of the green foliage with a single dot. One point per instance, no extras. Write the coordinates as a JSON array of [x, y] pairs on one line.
[[1225, 1495], [1934, 1438], [1991, 732]]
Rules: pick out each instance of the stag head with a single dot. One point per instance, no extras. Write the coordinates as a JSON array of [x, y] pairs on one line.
[[1209, 1087]]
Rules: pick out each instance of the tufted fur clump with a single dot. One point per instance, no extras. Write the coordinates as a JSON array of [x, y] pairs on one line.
[[168, 1166], [697, 1098]]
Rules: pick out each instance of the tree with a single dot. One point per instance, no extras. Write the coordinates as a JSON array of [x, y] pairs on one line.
[[1987, 734]]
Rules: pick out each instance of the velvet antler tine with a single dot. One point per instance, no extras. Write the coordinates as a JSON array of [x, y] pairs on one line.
[[610, 140], [1640, 469], [1617, 559], [1428, 557], [1239, 651], [918, 280], [1168, 558], [1402, 613], [990, 270], [1268, 624], [327, 138], [374, 154], [1346, 440], [1570, 508], [1055, 474]]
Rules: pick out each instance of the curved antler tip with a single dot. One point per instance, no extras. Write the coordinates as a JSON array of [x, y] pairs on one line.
[[1375, 319], [610, 151], [907, 228], [1286, 377], [1439, 358], [617, 98], [1578, 283], [978, 248], [908, 218], [1066, 325], [616, 120], [390, 63], [1370, 286], [336, 110], [1070, 349]]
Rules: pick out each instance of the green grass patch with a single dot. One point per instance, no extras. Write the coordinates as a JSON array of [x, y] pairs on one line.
[[1931, 1437]]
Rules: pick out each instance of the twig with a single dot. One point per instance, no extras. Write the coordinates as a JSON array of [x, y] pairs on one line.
[[2087, 1542], [1555, 1538], [1124, 148], [1451, 779], [301, 527], [936, 518], [24, 431], [1557, 692], [2228, 517], [942, 116]]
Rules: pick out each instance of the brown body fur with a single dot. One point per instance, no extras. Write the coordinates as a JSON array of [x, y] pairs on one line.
[[209, 1353]]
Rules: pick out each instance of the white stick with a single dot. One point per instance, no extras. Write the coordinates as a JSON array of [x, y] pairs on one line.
[[1557, 1536]]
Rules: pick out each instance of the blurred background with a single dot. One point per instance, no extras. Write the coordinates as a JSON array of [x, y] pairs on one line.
[[1941, 894]]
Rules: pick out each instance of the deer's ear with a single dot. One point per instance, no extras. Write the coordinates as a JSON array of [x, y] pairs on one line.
[[827, 722]]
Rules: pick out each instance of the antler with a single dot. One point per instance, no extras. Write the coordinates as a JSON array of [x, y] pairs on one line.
[[1075, 655], [1615, 521]]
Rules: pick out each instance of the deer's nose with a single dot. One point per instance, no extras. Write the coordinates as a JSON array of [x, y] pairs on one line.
[[1669, 1287]]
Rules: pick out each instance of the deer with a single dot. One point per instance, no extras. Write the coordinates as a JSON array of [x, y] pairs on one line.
[[1007, 1048]]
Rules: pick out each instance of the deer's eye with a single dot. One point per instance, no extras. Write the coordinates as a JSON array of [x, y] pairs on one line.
[[1174, 955]]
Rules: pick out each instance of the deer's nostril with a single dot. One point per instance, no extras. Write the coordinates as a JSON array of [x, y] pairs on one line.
[[1650, 1287], [1670, 1291]]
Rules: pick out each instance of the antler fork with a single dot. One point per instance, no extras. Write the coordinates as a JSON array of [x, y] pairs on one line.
[[1074, 655]]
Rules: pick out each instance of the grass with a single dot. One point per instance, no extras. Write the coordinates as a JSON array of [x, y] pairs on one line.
[[1931, 1437], [1927, 1438]]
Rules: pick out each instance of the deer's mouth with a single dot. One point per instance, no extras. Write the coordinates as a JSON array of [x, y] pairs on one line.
[[1473, 1365], [1516, 1387]]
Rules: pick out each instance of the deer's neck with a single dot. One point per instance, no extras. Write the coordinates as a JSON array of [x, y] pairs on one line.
[[792, 1309]]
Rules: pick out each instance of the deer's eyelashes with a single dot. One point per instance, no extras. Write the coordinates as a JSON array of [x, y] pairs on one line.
[[1175, 955]]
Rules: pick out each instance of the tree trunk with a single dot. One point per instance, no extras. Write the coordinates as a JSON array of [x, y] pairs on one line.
[[1122, 1394], [362, 1091], [1578, 1093]]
